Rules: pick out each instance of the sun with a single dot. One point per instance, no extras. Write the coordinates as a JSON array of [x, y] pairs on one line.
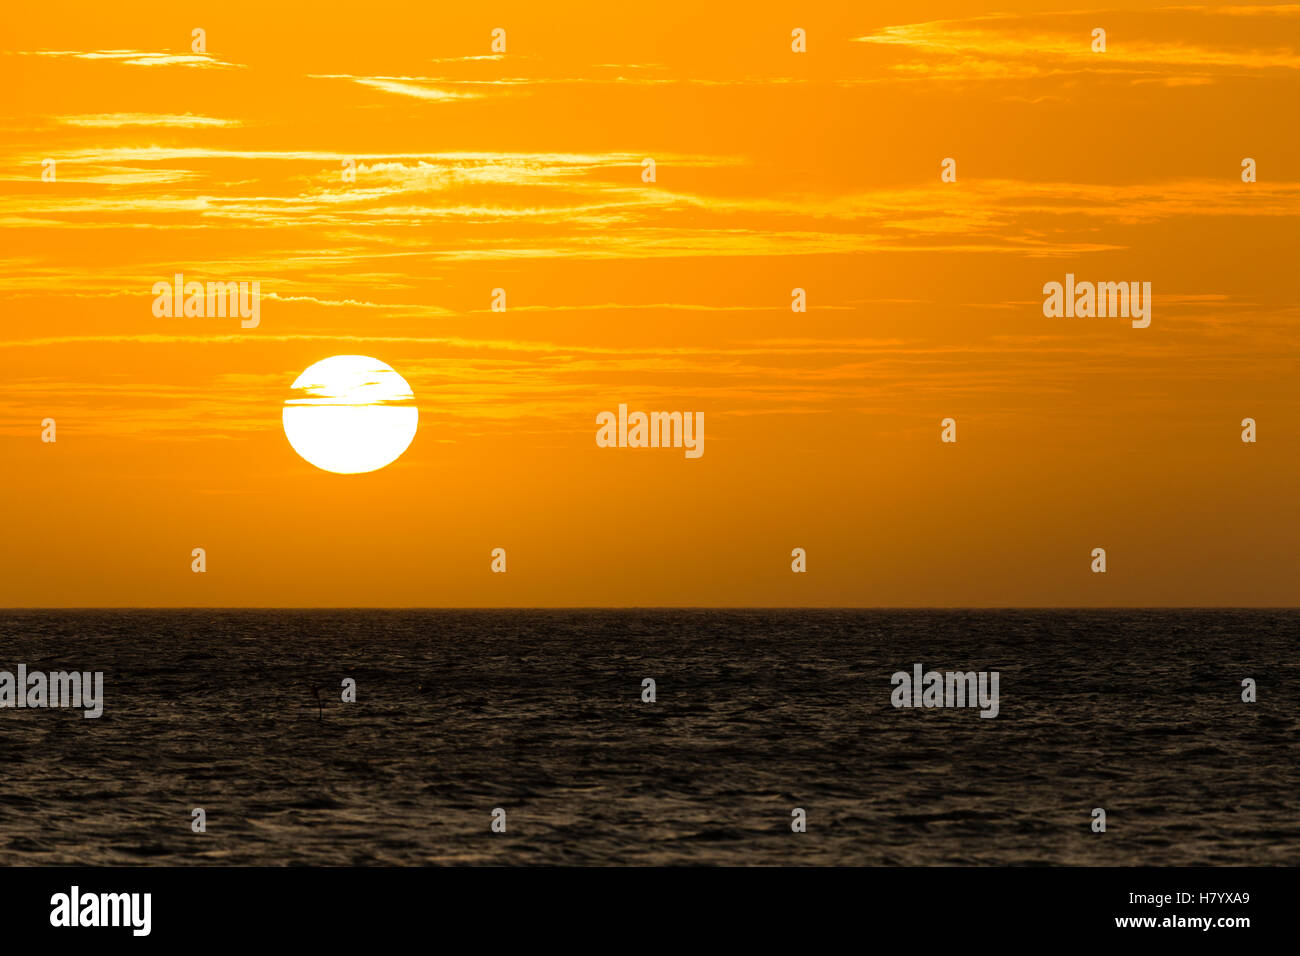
[[350, 414]]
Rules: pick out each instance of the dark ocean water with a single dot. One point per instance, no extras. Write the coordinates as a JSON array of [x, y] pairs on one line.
[[758, 712]]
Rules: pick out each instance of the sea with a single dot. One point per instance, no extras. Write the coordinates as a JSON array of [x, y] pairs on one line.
[[531, 737]]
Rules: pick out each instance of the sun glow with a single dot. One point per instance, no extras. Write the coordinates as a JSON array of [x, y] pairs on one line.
[[350, 414]]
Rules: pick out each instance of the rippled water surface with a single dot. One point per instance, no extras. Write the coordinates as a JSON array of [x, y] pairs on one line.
[[758, 712]]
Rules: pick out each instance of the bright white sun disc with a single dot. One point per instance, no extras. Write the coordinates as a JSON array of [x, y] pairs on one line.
[[350, 414]]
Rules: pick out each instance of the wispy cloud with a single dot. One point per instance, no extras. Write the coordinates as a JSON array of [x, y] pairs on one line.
[[140, 58], [1002, 47], [422, 88], [122, 120], [447, 88]]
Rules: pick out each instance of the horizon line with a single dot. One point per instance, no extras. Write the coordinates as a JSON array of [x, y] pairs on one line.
[[664, 607]]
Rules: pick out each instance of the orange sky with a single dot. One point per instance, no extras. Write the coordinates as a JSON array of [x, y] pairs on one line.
[[775, 170]]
